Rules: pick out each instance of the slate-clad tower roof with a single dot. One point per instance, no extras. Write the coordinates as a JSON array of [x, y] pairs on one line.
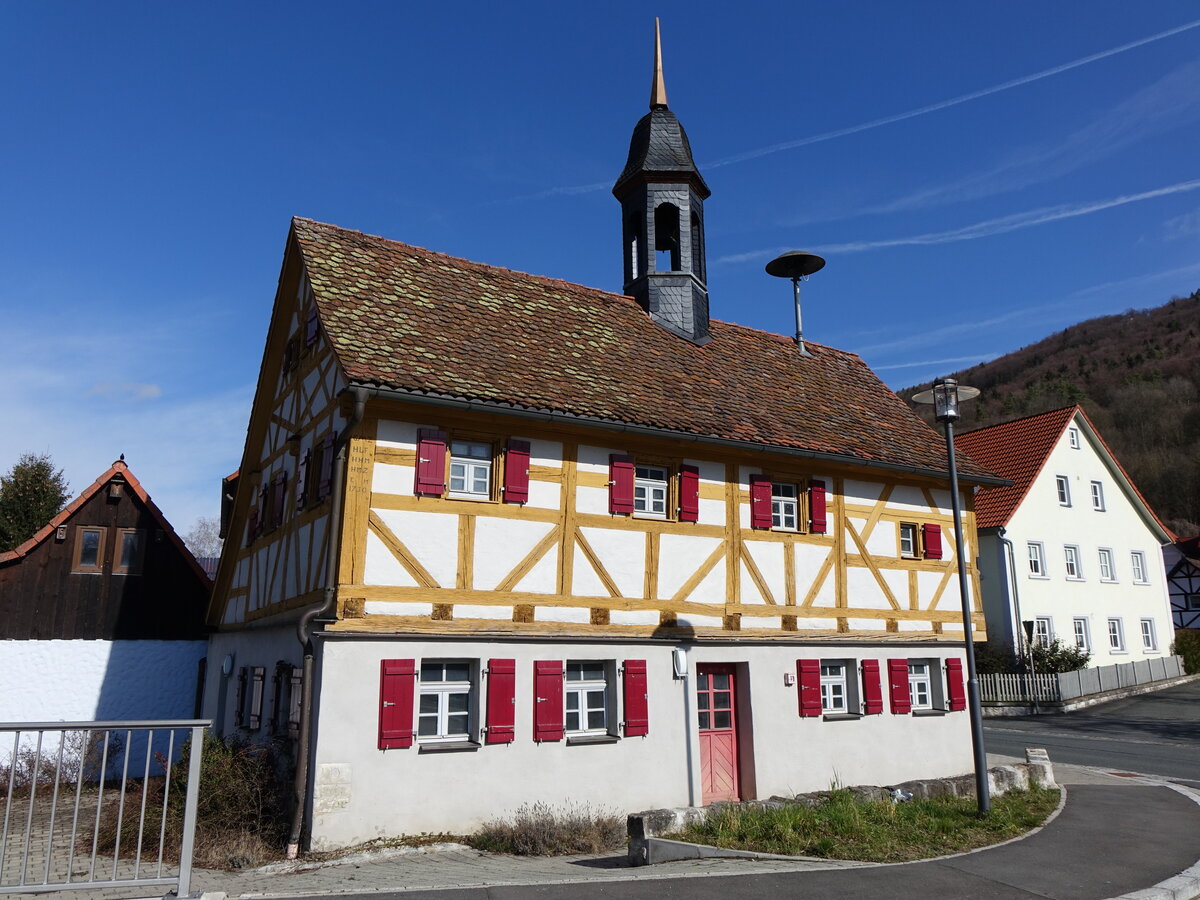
[[662, 209]]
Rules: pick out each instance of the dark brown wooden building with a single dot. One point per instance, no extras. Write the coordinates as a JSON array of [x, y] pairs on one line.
[[108, 567]]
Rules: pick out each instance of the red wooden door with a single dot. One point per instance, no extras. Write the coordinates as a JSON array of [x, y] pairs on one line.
[[717, 720]]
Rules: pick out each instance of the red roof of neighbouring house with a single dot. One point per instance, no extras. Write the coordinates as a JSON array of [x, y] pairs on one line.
[[1018, 450], [119, 470], [405, 318]]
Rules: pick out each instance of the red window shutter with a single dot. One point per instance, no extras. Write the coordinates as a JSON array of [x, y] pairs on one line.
[[431, 462], [872, 693], [760, 501], [954, 684], [516, 471], [302, 479], [898, 686], [325, 481], [816, 507], [636, 697], [808, 676], [689, 494], [501, 702], [547, 700], [280, 488], [932, 538], [620, 484], [397, 685]]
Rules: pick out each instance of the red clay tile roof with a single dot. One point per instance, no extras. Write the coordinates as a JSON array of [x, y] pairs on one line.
[[1017, 450], [118, 468], [406, 318]]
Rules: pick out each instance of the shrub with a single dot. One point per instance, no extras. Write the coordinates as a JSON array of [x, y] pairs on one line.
[[241, 808], [1059, 657], [542, 830], [1187, 645]]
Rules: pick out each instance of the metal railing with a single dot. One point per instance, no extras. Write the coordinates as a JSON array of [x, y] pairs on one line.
[[96, 804]]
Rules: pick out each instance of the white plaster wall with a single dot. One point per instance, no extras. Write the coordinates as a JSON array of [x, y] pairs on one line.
[[362, 792], [247, 647], [80, 681], [1119, 528]]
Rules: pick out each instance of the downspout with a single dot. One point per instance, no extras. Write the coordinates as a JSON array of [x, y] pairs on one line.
[[1016, 597], [304, 626]]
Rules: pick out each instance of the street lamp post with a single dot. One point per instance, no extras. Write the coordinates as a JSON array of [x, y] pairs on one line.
[[945, 397]]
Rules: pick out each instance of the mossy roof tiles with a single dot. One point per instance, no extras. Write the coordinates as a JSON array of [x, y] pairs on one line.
[[410, 319]]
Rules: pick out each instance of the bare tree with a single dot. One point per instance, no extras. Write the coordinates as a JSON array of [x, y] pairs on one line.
[[204, 539]]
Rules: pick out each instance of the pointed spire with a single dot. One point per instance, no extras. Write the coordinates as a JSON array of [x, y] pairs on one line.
[[658, 87]]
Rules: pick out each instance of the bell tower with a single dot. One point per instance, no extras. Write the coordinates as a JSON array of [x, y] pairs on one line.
[[662, 213]]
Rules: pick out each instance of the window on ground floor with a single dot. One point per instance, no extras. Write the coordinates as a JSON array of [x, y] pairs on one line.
[[920, 683], [1043, 632], [446, 701], [1083, 640], [1149, 638], [587, 697]]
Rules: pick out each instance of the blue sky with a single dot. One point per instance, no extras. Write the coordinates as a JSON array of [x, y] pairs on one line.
[[977, 175]]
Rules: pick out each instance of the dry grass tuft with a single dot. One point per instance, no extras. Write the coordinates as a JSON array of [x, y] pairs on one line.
[[541, 830]]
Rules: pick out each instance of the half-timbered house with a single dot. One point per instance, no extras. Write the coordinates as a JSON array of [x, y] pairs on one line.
[[1182, 562], [549, 543], [103, 612]]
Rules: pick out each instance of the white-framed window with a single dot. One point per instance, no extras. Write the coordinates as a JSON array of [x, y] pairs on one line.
[[1116, 635], [1149, 639], [1071, 560], [650, 491], [908, 540], [1138, 559], [471, 470], [1073, 437], [1107, 572], [1063, 485], [1083, 638], [1097, 496], [785, 505], [446, 700], [833, 687], [586, 697], [1043, 632], [1037, 559], [920, 686]]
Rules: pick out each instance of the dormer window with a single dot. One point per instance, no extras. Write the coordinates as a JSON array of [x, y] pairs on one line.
[[784, 506], [650, 492], [471, 470]]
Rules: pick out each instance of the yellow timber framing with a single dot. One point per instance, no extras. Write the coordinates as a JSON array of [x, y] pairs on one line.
[[845, 546]]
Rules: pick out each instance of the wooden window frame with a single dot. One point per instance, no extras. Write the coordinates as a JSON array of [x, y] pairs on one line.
[[915, 552], [443, 690], [831, 680], [916, 679], [580, 688], [779, 500], [77, 568], [670, 497], [120, 566], [495, 463]]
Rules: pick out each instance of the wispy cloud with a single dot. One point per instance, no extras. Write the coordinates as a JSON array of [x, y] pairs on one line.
[[952, 361], [1182, 226], [747, 155], [987, 228], [126, 390]]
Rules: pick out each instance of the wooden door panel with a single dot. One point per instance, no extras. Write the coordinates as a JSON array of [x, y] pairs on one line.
[[717, 725]]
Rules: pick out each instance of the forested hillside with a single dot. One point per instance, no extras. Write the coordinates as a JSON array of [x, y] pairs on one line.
[[1136, 374]]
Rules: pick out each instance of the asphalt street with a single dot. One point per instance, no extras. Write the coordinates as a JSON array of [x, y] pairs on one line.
[[1154, 734]]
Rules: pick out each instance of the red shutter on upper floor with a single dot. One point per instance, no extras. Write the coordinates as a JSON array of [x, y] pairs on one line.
[[932, 538], [636, 698], [397, 685], [954, 685], [501, 701], [872, 692], [808, 678], [431, 462], [516, 471], [620, 484], [760, 501], [898, 686], [818, 518], [547, 700], [689, 494], [325, 478]]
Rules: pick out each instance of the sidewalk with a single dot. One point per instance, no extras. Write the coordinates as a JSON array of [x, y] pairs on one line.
[[1118, 833]]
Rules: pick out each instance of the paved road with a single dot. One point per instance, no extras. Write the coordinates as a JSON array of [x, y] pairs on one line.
[[1157, 734]]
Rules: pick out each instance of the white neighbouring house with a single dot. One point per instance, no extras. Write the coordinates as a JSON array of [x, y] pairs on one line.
[[1071, 545], [575, 545]]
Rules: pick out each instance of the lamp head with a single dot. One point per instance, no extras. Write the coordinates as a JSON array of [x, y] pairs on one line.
[[945, 396]]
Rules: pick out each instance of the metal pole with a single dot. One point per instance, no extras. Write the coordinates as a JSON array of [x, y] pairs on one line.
[[195, 752], [981, 776], [796, 299]]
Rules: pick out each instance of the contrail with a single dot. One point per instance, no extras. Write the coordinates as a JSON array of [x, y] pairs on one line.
[[987, 228], [945, 104]]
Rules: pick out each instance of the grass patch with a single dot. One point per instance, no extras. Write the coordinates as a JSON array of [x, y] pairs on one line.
[[541, 830], [846, 827]]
